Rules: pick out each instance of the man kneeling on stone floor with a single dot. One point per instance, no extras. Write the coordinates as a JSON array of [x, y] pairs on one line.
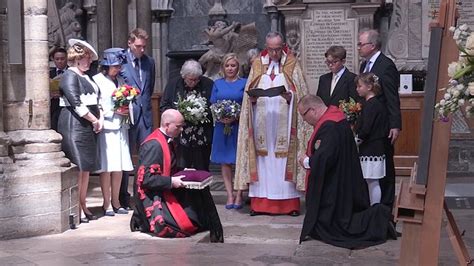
[[163, 207], [338, 211]]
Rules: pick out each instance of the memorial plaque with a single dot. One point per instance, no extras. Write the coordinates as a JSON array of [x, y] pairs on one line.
[[327, 27]]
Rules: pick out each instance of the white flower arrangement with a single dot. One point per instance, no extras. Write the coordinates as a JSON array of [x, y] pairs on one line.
[[193, 108], [460, 89]]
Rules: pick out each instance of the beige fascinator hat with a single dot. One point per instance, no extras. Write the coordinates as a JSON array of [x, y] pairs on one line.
[[85, 44]]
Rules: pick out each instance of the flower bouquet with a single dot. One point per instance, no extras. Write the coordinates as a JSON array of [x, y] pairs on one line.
[[460, 89], [122, 97], [225, 109], [351, 109], [193, 108]]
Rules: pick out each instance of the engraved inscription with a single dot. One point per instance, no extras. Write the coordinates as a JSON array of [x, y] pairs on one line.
[[328, 27]]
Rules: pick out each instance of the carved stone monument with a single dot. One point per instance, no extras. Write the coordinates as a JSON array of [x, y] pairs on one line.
[[312, 27]]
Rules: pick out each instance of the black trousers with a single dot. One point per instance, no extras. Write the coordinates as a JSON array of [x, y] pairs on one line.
[[387, 184], [194, 157]]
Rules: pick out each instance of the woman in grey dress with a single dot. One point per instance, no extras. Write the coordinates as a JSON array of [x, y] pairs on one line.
[[81, 118]]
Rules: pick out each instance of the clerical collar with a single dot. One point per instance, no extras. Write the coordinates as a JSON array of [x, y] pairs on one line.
[[168, 138]]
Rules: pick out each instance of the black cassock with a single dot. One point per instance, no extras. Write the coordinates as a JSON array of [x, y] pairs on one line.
[[337, 201], [165, 211]]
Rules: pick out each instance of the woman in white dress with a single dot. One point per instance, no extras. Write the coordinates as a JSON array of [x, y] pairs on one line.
[[113, 140]]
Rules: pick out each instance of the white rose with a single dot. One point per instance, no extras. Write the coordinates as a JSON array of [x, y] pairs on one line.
[[461, 102], [452, 29], [464, 27], [452, 69], [456, 93], [447, 96], [471, 88], [470, 44], [442, 102]]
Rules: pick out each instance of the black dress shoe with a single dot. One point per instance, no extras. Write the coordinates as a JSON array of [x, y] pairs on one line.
[[84, 220], [253, 213], [90, 217], [294, 213], [391, 232]]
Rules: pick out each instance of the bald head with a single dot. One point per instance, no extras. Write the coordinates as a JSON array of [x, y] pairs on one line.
[[311, 108], [172, 122]]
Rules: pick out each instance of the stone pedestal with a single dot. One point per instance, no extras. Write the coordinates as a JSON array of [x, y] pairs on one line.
[[39, 185]]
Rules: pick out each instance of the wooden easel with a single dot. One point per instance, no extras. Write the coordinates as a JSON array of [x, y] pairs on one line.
[[420, 202]]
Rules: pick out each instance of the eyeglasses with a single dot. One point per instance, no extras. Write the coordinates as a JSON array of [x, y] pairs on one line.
[[332, 62], [305, 112], [192, 80], [359, 44], [274, 50]]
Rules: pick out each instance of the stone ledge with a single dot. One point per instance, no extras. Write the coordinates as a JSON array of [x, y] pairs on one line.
[[42, 147], [22, 137]]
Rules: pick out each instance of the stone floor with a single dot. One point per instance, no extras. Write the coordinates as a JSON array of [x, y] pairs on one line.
[[259, 240]]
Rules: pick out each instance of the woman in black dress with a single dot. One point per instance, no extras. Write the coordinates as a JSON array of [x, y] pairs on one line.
[[371, 132], [81, 118]]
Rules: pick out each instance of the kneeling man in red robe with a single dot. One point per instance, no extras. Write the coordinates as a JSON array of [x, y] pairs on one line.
[[163, 206]]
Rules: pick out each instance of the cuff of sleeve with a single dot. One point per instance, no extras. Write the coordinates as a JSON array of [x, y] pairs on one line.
[[81, 110], [306, 163]]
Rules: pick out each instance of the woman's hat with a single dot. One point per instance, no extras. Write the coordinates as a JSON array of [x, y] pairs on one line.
[[113, 57], [82, 43]]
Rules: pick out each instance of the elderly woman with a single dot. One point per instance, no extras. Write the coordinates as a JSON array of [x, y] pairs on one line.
[[230, 87], [113, 140], [194, 147], [81, 118]]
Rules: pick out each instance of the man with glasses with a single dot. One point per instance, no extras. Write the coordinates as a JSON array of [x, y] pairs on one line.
[[339, 83], [271, 133], [338, 210], [376, 62]]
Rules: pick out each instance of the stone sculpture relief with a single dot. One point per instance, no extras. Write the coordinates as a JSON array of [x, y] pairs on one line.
[[293, 37], [66, 26], [224, 38]]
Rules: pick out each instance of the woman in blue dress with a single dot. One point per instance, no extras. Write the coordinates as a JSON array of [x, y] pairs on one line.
[[224, 147]]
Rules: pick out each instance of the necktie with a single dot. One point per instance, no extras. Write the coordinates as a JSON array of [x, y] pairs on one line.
[[59, 72], [137, 68], [333, 83], [367, 67]]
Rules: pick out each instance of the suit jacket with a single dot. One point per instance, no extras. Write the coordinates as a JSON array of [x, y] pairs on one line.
[[344, 89], [389, 77], [53, 72], [142, 106]]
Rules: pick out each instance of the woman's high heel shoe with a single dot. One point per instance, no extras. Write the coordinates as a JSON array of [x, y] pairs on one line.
[[90, 217], [119, 210]]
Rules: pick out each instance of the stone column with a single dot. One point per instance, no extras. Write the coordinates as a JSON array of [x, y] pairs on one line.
[[272, 12], [119, 23], [39, 186], [103, 26], [365, 13], [93, 21], [162, 11], [144, 18]]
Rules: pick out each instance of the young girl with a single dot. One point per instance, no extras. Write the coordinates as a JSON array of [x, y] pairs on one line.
[[372, 130]]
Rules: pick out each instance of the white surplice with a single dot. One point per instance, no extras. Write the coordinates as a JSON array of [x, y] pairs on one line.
[[271, 182]]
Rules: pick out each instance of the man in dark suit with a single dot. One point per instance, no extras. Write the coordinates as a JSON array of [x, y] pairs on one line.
[[59, 57], [376, 62], [339, 83], [139, 72]]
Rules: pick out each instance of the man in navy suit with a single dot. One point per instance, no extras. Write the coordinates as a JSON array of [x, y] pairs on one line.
[[376, 62], [339, 83], [139, 72], [59, 57]]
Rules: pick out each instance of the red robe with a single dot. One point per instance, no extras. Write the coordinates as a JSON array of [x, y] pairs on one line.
[[163, 210]]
